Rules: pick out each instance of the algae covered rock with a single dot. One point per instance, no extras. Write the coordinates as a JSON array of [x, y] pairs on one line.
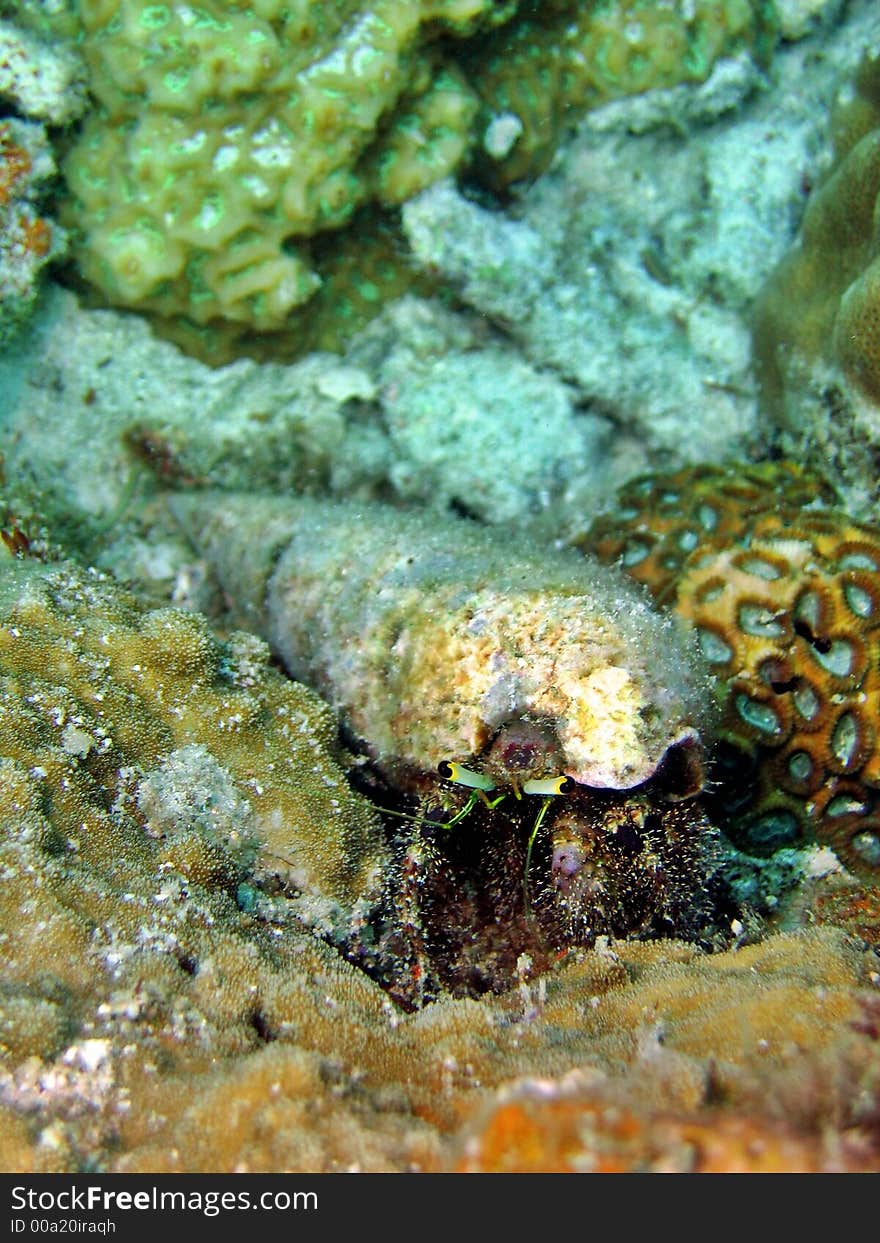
[[28, 240]]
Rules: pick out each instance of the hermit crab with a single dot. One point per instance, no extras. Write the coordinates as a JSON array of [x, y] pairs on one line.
[[486, 681]]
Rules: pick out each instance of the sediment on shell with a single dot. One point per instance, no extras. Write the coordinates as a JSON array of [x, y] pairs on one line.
[[431, 636]]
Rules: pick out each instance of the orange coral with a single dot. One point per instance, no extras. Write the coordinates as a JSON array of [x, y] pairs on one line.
[[661, 519], [853, 907], [15, 164], [36, 236], [784, 591], [25, 237], [589, 1134]]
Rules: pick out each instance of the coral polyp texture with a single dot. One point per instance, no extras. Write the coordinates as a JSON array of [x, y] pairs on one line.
[[539, 73], [146, 736], [821, 306], [433, 638], [229, 142], [227, 137], [783, 590]]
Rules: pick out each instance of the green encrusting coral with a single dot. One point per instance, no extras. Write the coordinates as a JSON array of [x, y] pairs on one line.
[[561, 58], [227, 140], [227, 137]]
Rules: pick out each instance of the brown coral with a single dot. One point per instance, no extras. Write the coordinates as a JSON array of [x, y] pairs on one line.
[[114, 712], [821, 305], [784, 592]]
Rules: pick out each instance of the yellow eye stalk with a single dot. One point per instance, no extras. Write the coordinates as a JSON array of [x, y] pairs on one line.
[[478, 783], [549, 786], [450, 771], [546, 787]]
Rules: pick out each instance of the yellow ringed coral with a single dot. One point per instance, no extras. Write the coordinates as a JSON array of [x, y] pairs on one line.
[[783, 590]]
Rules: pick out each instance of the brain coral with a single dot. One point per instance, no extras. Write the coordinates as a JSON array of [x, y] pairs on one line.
[[784, 592], [140, 725], [822, 303]]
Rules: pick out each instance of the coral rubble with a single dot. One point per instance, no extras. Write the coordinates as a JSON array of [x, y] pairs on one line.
[[45, 80], [41, 84], [390, 418], [783, 590], [27, 239]]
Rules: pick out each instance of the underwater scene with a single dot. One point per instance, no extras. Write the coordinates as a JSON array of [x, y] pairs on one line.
[[439, 586]]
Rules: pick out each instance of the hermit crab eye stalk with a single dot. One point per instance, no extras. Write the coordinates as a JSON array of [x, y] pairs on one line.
[[450, 771], [549, 786], [478, 784]]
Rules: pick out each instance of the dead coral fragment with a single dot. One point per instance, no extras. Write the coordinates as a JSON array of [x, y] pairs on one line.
[[784, 593], [27, 239], [431, 637], [43, 79]]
